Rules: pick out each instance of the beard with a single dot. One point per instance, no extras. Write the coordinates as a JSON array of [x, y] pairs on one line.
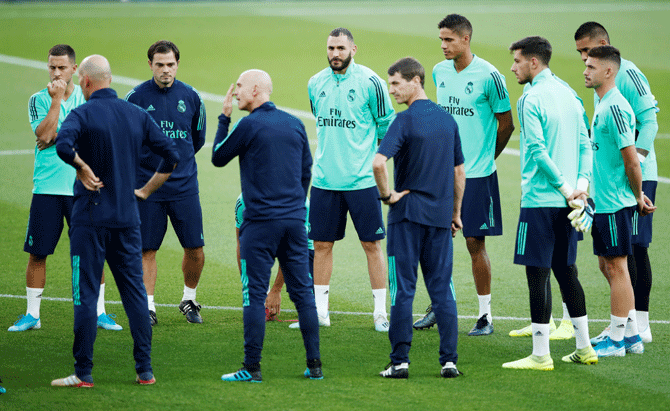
[[345, 63]]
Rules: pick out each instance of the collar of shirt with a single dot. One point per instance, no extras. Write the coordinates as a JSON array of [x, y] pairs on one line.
[[267, 106], [103, 93], [347, 74], [164, 89], [542, 76]]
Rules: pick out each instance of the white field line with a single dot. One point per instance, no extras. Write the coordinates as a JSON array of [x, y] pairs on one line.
[[214, 307], [217, 98]]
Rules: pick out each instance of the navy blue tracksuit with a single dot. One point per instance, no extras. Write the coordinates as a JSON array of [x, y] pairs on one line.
[[108, 134], [275, 170]]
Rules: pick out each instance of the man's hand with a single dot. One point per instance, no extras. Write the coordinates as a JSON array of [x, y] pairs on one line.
[[88, 178], [456, 225], [57, 89], [141, 194], [578, 195], [41, 145], [395, 197], [273, 303], [228, 101], [645, 206]]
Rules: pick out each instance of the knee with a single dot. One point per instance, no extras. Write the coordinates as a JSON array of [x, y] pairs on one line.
[[476, 245], [194, 254], [323, 247], [372, 247]]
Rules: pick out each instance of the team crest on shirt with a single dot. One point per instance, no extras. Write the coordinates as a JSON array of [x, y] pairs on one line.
[[469, 88], [181, 106], [352, 95]]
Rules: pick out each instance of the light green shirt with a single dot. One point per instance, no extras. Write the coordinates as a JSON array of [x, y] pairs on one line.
[[554, 146], [352, 110], [51, 175], [473, 96], [613, 129]]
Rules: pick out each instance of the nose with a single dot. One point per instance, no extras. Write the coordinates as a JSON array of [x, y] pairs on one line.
[[585, 55]]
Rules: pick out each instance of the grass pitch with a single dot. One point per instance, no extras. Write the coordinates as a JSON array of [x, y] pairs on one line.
[[217, 42]]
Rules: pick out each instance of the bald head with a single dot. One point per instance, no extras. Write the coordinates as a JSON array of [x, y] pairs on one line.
[[94, 74], [253, 89]]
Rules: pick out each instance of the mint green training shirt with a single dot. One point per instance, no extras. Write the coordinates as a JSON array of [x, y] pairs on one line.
[[52, 175], [352, 110], [474, 96], [613, 128], [555, 147]]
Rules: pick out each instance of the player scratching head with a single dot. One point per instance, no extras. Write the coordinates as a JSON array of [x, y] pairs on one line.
[[341, 49], [456, 33], [94, 74], [590, 35], [602, 66], [253, 89], [163, 61], [531, 56], [406, 78]]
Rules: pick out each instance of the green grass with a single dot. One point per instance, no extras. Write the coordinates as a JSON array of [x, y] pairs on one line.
[[217, 42]]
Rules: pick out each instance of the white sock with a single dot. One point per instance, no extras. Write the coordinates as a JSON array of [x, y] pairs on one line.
[[189, 294], [379, 296], [34, 296], [485, 306], [631, 324], [642, 320], [101, 300], [540, 339], [581, 326], [566, 314], [321, 297], [152, 306], [617, 327]]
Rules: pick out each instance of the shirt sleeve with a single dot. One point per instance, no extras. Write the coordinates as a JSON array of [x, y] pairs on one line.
[[380, 105], [227, 145], [634, 86], [535, 141], [458, 150], [199, 123], [622, 126], [37, 110], [585, 153], [67, 137], [496, 93], [646, 127], [306, 159], [393, 140]]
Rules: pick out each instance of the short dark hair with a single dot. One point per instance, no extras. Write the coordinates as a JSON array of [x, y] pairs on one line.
[[408, 67], [534, 46], [63, 50], [341, 31], [592, 30], [162, 47], [457, 23], [608, 53]]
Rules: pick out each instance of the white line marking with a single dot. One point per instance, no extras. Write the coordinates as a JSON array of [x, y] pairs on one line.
[[18, 61], [214, 307]]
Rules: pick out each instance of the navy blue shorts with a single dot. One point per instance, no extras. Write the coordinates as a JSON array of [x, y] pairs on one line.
[[45, 223], [328, 214], [612, 233], [545, 238], [481, 214], [641, 234], [185, 216]]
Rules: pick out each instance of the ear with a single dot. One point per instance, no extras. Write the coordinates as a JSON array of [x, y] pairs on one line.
[[353, 50], [149, 63]]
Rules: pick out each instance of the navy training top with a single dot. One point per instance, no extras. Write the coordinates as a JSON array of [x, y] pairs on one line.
[[275, 162], [180, 113], [425, 145], [109, 134]]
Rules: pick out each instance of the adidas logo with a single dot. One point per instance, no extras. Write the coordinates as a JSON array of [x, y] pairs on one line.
[[621, 326], [323, 94], [484, 227], [442, 85], [538, 334], [380, 231], [151, 108]]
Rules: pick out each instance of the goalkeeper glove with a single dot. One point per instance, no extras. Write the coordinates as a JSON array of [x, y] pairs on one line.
[[581, 217]]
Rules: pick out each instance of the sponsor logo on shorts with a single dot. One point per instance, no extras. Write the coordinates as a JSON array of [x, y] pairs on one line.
[[380, 230], [484, 227]]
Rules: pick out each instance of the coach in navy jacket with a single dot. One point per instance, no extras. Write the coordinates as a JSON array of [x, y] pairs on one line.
[[275, 170], [103, 139]]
